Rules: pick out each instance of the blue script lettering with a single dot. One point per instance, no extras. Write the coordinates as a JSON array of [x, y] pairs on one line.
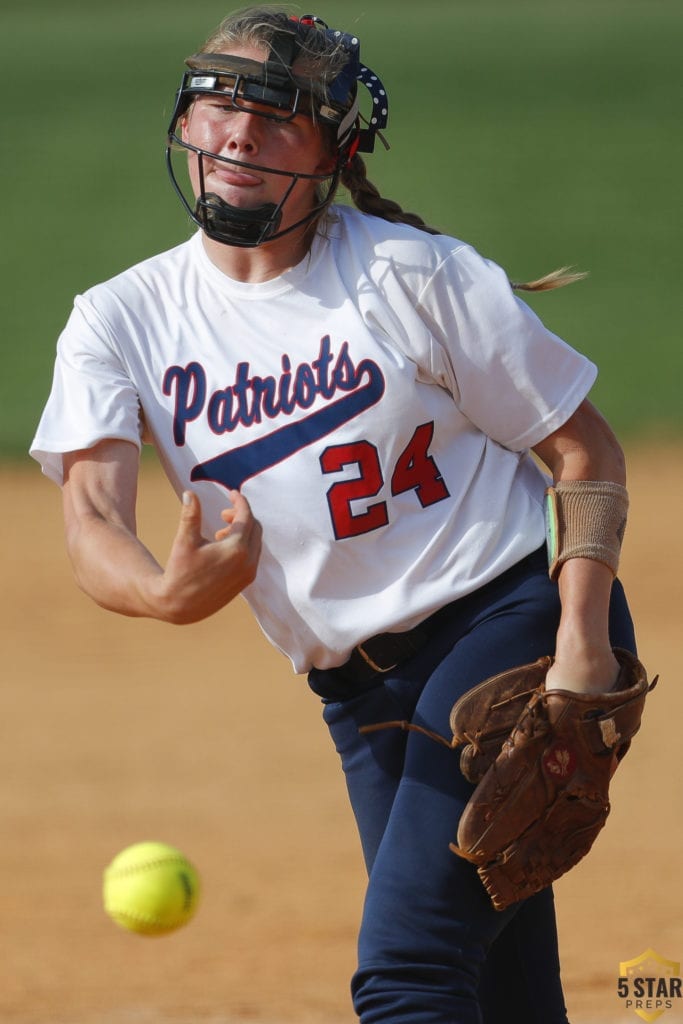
[[250, 398]]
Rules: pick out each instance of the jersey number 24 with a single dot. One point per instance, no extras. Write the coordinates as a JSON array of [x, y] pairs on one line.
[[415, 470]]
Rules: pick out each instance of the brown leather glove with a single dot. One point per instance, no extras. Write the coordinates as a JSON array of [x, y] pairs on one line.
[[542, 761]]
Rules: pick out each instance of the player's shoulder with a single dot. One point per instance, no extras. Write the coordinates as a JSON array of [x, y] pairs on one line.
[[354, 228], [409, 250], [150, 275]]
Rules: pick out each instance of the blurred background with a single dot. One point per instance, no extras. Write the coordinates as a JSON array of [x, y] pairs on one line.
[[544, 132]]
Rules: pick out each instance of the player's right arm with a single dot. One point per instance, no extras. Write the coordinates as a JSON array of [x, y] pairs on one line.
[[115, 568]]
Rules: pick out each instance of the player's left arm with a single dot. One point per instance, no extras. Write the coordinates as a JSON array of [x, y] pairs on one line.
[[584, 448]]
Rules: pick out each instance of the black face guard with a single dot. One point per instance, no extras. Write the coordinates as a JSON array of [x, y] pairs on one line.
[[271, 90], [234, 225]]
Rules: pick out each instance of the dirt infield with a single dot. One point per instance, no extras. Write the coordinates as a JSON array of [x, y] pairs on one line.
[[117, 730]]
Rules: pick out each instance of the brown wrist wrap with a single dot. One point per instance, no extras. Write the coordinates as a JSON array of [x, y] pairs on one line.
[[585, 519]]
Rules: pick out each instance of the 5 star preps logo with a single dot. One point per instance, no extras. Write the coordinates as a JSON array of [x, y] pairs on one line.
[[649, 985]]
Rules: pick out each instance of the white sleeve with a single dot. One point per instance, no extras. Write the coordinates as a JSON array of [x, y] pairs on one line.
[[92, 396], [513, 378]]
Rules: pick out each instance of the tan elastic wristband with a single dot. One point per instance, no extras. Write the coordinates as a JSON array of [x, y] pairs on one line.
[[585, 519]]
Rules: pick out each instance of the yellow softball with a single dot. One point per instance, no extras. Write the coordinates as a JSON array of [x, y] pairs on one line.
[[150, 888]]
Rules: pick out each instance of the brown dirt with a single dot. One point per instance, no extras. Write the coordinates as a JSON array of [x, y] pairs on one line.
[[117, 730]]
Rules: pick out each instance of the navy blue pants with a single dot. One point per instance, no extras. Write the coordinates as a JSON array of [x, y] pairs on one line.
[[431, 948]]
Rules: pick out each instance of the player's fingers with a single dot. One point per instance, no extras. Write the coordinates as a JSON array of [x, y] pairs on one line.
[[240, 518], [251, 532], [241, 508], [189, 527], [243, 524], [228, 516]]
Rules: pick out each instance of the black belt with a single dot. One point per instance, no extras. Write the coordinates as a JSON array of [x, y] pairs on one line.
[[382, 653]]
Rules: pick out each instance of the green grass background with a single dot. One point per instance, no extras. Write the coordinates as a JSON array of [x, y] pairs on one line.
[[545, 133]]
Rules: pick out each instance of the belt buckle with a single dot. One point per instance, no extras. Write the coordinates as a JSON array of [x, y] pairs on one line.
[[373, 664]]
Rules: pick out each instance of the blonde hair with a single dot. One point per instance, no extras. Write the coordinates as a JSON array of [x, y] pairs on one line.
[[318, 60], [555, 279]]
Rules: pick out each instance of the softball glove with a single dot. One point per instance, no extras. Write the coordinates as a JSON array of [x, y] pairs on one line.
[[542, 761]]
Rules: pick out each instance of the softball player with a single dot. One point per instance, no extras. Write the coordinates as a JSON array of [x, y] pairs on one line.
[[348, 402]]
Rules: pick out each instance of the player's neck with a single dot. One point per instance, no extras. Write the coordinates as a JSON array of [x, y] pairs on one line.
[[262, 263]]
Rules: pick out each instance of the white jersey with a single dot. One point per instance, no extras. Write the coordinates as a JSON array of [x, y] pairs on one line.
[[375, 404]]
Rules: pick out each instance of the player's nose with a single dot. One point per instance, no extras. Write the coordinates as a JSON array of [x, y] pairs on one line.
[[245, 133]]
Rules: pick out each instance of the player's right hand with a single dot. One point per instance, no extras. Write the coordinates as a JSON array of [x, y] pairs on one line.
[[202, 576]]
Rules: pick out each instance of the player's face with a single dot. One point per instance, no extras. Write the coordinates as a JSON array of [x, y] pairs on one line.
[[247, 137]]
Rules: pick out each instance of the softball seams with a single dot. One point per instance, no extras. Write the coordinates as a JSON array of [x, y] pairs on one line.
[[120, 872]]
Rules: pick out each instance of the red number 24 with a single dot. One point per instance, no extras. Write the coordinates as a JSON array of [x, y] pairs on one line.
[[415, 470]]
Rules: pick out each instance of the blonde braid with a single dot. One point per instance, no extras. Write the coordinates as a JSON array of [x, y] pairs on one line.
[[555, 279], [368, 199]]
